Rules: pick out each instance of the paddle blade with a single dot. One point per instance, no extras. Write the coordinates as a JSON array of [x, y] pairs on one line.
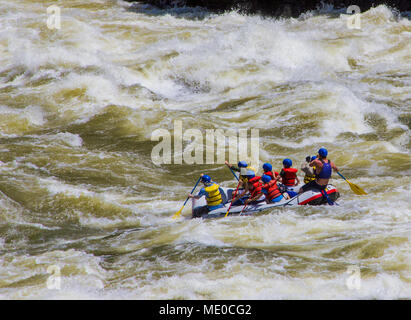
[[356, 189], [178, 213]]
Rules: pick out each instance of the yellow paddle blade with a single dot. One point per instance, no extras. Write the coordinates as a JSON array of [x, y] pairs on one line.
[[356, 189], [177, 214]]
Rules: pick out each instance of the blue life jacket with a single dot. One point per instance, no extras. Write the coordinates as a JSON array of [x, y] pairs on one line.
[[326, 170]]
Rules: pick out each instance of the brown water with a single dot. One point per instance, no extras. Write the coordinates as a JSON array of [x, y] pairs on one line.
[[79, 192]]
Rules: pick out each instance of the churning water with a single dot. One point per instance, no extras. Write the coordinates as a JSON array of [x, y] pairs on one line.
[[81, 198]]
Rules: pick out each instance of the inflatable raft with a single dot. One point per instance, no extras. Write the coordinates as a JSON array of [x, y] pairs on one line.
[[310, 197]]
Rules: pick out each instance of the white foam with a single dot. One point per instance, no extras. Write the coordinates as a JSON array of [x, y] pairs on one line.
[[33, 114], [169, 66]]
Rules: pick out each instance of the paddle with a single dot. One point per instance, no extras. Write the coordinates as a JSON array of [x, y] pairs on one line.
[[234, 174], [177, 214], [246, 204], [356, 189], [232, 200], [325, 195]]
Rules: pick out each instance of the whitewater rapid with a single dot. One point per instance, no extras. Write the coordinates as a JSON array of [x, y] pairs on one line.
[[79, 191]]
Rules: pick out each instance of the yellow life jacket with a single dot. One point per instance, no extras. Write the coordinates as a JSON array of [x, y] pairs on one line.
[[213, 195], [309, 177]]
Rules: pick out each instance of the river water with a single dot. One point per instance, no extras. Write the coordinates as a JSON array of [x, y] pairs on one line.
[[86, 214]]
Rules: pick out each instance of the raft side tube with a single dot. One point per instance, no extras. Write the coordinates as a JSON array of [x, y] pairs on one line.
[[310, 197]]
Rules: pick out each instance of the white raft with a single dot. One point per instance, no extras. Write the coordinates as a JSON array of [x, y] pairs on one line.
[[310, 197]]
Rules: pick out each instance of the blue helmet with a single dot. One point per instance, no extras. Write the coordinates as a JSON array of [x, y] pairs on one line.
[[313, 158], [250, 174], [206, 179], [266, 178], [267, 167], [323, 152], [242, 164], [287, 163]]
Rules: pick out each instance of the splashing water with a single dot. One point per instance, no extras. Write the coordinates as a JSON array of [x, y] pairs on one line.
[[79, 190]]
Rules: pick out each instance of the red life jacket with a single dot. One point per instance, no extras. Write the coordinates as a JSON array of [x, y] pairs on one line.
[[289, 175], [272, 190], [270, 173], [255, 186]]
